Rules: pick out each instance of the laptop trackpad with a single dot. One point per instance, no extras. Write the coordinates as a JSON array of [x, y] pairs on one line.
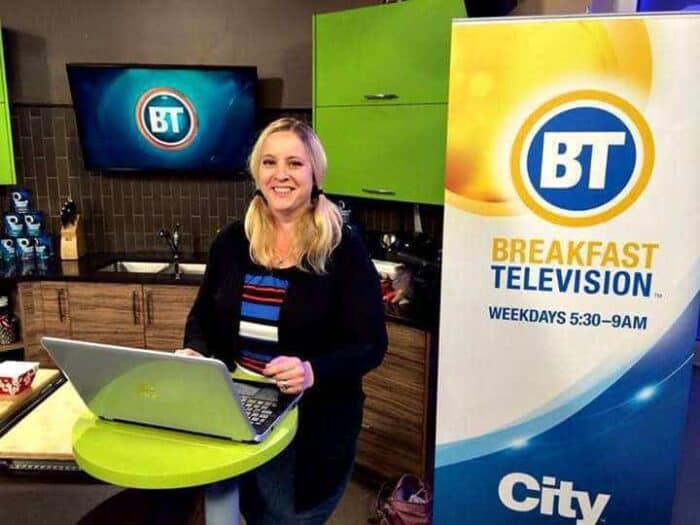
[[265, 392]]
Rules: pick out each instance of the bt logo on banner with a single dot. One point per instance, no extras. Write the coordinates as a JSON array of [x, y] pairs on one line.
[[166, 118], [582, 158], [522, 493]]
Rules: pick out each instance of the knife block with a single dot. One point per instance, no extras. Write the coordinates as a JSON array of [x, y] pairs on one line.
[[73, 240]]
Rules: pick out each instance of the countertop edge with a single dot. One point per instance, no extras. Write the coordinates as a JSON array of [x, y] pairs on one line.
[[86, 269]]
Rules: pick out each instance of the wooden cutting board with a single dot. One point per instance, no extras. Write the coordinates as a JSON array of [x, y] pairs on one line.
[[45, 433], [9, 404]]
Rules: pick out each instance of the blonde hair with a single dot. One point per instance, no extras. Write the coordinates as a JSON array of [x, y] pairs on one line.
[[319, 230]]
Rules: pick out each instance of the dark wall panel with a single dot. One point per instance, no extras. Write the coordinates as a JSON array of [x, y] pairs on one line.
[[41, 36], [124, 211]]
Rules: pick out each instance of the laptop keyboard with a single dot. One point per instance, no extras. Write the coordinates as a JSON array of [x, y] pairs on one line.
[[258, 410]]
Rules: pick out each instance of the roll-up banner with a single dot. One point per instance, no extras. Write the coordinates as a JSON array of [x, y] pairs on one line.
[[571, 269]]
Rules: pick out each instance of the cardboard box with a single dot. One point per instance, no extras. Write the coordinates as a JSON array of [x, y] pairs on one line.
[[16, 376]]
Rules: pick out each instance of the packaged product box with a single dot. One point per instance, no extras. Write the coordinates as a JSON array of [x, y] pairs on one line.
[[16, 376]]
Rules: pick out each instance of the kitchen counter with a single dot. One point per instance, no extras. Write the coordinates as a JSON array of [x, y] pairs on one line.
[[86, 269]]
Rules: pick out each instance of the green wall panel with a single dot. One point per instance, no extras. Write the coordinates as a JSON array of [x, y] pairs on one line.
[[7, 172], [7, 160]]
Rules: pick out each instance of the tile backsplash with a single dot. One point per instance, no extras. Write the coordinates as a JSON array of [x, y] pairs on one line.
[[123, 211]]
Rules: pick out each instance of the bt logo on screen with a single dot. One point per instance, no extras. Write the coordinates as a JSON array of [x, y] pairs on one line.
[[166, 118], [521, 492], [582, 158]]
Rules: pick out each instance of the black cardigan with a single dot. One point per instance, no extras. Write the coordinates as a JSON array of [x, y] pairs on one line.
[[335, 321]]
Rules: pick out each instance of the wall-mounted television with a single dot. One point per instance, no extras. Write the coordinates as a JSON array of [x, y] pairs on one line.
[[164, 117]]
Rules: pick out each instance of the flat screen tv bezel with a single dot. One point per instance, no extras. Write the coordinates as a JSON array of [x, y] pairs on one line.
[[195, 67]]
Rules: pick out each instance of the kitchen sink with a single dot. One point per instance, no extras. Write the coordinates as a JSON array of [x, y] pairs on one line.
[[154, 267], [185, 269], [191, 268], [135, 267]]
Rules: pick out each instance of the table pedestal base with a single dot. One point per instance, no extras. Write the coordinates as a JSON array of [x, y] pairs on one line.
[[221, 503]]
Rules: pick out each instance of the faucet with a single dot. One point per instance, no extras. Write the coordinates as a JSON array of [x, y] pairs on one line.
[[173, 240]]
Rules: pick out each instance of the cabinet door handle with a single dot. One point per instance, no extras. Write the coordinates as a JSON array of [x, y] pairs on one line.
[[381, 96], [149, 308], [134, 306], [379, 191], [59, 300]]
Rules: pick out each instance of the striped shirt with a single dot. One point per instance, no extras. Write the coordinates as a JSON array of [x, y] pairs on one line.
[[263, 296]]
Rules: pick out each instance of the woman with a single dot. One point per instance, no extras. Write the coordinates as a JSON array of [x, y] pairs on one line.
[[293, 295]]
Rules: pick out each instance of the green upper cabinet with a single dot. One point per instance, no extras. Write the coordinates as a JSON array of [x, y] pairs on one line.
[[379, 161], [7, 158], [380, 98], [392, 53]]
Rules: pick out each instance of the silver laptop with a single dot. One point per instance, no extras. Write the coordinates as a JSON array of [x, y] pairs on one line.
[[193, 394]]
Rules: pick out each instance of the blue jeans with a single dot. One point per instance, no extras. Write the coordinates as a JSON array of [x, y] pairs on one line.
[[267, 495]]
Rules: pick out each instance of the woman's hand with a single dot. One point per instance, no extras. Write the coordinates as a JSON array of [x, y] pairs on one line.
[[188, 351], [291, 374]]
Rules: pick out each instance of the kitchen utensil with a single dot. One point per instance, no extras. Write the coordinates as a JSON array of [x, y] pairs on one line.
[[72, 232], [68, 212], [388, 241]]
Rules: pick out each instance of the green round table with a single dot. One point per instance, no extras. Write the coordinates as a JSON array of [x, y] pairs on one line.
[[136, 456]]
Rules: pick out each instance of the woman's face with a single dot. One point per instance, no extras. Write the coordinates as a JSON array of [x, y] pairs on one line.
[[285, 175]]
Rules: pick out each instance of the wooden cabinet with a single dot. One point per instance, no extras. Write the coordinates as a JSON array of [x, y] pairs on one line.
[[380, 98], [54, 309], [166, 312], [143, 316], [107, 313], [30, 311], [395, 428]]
